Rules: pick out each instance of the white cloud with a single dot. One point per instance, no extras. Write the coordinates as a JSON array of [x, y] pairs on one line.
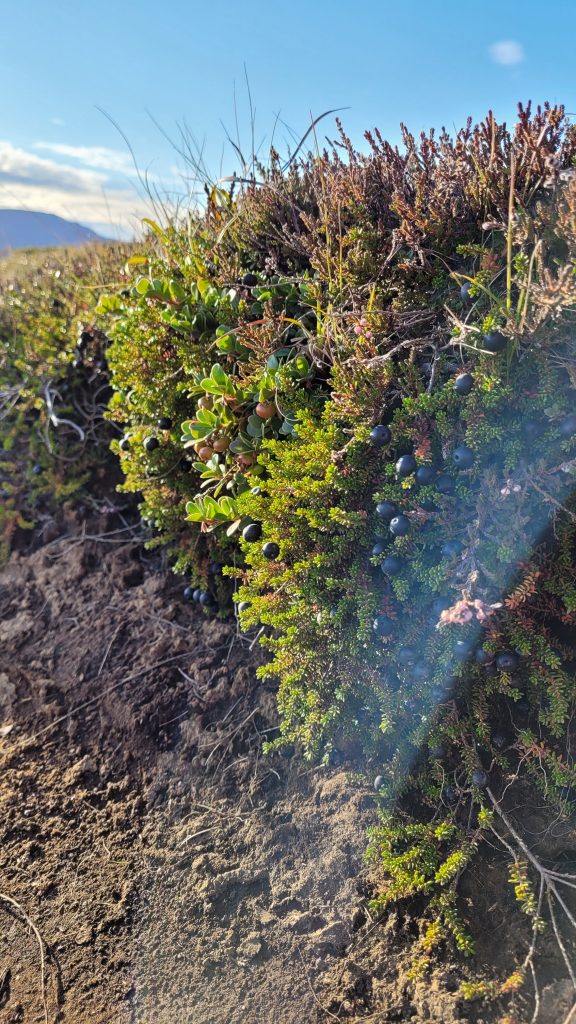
[[32, 182], [113, 160], [16, 165], [507, 52]]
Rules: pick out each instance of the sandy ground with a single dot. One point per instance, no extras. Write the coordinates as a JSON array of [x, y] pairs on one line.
[[155, 867]]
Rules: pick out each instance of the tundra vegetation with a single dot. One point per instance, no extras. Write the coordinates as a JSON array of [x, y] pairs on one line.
[[345, 394]]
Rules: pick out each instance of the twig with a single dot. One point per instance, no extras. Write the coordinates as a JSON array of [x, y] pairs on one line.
[[40, 941], [104, 692], [108, 649], [314, 996], [230, 737], [552, 500], [536, 995], [570, 1017], [202, 832], [549, 880], [561, 946], [58, 420]]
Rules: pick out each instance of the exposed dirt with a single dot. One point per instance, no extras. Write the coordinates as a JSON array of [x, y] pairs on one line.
[[175, 875]]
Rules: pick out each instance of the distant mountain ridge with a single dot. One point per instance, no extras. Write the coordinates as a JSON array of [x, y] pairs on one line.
[[27, 229]]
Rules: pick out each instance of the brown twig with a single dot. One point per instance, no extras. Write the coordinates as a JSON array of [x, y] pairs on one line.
[[104, 692], [314, 996], [41, 946]]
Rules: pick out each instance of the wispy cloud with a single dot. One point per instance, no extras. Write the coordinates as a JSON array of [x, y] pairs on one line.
[[57, 121], [17, 165], [84, 194], [112, 160], [507, 52]]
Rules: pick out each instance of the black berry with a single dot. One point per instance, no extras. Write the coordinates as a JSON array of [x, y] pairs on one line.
[[386, 509], [151, 444], [507, 661], [124, 445], [84, 340], [425, 475], [533, 429], [483, 657], [392, 565], [421, 671], [463, 384], [188, 593], [165, 423], [243, 606], [452, 548], [378, 782], [445, 484], [37, 469], [499, 740], [406, 465], [480, 778], [250, 280], [461, 649], [494, 341], [465, 292], [399, 526], [437, 753], [463, 457], [197, 594], [252, 532], [270, 550], [383, 625], [567, 427], [378, 549], [407, 655], [380, 436]]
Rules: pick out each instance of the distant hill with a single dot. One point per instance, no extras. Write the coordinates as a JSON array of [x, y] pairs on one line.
[[25, 229]]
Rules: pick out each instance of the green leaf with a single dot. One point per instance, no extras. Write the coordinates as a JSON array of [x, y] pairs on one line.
[[177, 293], [241, 444], [203, 286], [255, 426], [143, 286], [218, 375]]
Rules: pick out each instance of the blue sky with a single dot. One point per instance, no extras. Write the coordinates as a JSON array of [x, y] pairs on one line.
[[181, 63]]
